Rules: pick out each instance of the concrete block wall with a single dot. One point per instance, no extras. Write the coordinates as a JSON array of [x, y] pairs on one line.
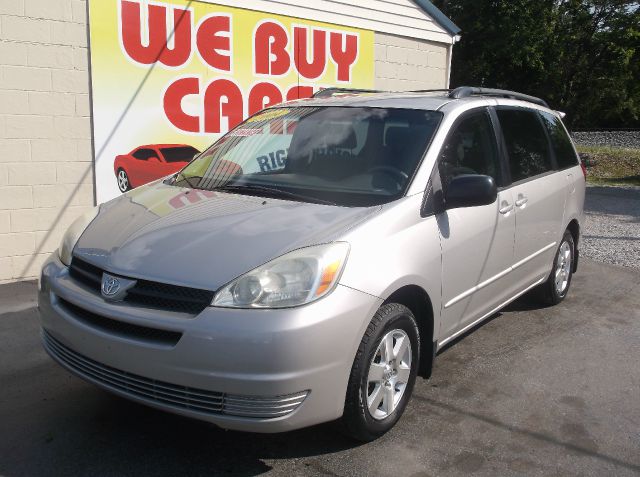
[[46, 176], [403, 64]]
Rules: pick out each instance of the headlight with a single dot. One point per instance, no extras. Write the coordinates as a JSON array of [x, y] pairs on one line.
[[296, 278], [74, 232]]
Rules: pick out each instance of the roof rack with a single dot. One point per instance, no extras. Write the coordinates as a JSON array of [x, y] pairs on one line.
[[467, 91], [329, 92], [458, 93], [442, 90]]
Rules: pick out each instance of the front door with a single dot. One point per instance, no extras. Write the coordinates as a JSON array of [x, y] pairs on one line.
[[477, 242]]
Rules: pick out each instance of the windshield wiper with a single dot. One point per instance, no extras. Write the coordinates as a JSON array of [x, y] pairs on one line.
[[186, 179], [272, 192]]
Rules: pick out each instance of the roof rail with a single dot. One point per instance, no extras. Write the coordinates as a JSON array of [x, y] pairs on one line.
[[442, 90], [329, 92], [467, 91]]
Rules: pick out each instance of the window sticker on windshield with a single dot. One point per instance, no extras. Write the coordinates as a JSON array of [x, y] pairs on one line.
[[270, 114], [273, 161], [277, 127], [245, 132], [291, 126]]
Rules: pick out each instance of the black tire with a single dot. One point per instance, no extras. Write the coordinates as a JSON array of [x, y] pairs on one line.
[[122, 178], [357, 420], [548, 292]]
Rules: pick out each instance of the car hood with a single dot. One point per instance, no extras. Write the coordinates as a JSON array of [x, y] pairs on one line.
[[204, 239]]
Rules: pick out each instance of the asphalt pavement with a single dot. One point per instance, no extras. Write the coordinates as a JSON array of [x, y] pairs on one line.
[[534, 391]]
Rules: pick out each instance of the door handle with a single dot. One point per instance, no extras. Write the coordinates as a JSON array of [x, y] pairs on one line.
[[506, 208], [521, 201]]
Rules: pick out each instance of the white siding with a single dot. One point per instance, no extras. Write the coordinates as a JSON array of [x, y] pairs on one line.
[[397, 17]]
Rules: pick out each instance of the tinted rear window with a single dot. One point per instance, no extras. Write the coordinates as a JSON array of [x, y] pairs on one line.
[[560, 141], [179, 154], [527, 143]]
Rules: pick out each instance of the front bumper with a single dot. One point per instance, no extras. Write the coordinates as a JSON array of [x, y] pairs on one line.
[[285, 368]]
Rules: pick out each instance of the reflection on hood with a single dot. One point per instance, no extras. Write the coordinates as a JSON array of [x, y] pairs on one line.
[[204, 239]]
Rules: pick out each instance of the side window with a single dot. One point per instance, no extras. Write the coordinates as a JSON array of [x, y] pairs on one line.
[[144, 154], [526, 142], [470, 149], [560, 141]]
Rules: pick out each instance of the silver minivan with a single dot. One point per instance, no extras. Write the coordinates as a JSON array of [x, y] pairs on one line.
[[310, 264]]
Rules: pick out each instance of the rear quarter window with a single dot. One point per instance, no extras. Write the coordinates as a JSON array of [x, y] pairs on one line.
[[560, 141]]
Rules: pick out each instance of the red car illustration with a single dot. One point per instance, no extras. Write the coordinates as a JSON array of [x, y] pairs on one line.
[[148, 163]]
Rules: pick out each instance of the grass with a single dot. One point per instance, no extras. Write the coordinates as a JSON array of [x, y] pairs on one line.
[[611, 165]]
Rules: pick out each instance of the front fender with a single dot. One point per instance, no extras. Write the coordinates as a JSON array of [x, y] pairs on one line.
[[394, 249]]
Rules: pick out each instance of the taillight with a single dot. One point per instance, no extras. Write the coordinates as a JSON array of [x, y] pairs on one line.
[[584, 168]]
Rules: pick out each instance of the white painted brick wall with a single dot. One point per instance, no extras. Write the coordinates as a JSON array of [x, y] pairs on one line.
[[403, 64], [45, 142]]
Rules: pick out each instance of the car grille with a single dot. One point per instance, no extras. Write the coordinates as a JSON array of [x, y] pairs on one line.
[[172, 395], [146, 293], [120, 328]]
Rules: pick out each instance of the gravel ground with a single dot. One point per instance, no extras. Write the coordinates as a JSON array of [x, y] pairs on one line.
[[612, 230], [623, 139]]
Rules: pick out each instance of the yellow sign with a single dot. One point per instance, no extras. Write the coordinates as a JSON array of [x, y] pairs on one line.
[[169, 75]]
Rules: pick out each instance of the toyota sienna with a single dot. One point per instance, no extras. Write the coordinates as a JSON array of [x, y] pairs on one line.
[[309, 265]]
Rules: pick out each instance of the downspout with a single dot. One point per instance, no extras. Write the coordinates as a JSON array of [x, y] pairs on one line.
[[454, 40]]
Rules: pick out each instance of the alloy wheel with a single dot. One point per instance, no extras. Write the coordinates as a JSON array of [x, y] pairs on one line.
[[563, 268], [389, 373], [123, 181]]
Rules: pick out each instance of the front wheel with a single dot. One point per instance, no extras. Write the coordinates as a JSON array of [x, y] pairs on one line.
[[555, 289], [383, 373], [123, 180]]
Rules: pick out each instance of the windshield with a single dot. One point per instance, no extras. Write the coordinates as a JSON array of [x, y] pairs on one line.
[[336, 155], [179, 154]]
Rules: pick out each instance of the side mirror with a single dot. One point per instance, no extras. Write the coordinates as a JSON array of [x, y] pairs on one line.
[[154, 159], [470, 190]]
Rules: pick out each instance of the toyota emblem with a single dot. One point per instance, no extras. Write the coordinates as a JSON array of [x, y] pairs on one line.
[[110, 285], [115, 288]]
